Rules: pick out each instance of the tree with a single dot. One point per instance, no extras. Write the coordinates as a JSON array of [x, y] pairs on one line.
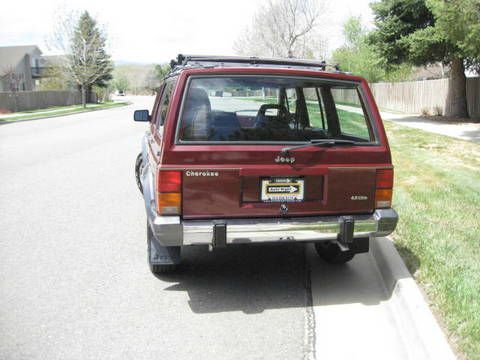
[[285, 28], [142, 78], [359, 57], [121, 83], [162, 70], [422, 32], [54, 78], [83, 43], [12, 78], [151, 80], [89, 63]]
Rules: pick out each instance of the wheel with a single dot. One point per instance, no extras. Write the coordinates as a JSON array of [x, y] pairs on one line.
[[332, 254], [138, 171], [156, 252], [163, 269]]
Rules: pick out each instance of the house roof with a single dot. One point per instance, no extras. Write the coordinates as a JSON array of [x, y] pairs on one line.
[[51, 60], [12, 55]]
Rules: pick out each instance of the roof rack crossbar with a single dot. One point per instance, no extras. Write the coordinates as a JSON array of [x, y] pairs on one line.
[[184, 60]]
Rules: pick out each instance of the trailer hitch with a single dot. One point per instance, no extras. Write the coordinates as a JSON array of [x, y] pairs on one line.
[[345, 236]]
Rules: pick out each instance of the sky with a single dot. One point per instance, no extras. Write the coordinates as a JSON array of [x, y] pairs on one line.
[[143, 31]]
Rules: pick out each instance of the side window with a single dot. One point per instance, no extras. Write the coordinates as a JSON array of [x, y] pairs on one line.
[[351, 116], [164, 103], [315, 108], [291, 100], [155, 104]]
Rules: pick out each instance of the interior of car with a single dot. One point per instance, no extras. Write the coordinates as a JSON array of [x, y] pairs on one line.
[[276, 114]]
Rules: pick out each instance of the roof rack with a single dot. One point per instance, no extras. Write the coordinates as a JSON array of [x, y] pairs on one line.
[[183, 61]]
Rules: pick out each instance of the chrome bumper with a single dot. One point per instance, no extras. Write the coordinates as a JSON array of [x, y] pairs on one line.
[[171, 230]]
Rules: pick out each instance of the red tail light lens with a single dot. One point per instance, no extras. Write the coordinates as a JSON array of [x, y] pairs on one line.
[[169, 181], [384, 178], [384, 185], [169, 192]]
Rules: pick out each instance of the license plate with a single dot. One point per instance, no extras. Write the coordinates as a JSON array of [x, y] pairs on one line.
[[282, 190]]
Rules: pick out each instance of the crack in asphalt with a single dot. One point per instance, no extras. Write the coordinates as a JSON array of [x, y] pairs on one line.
[[309, 336]]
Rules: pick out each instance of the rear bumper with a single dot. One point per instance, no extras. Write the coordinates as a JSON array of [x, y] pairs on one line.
[[172, 231]]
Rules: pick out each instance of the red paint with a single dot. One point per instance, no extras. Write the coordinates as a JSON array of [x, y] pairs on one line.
[[336, 173]]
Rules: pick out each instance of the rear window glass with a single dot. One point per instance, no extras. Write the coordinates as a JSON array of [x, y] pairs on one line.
[[272, 109]]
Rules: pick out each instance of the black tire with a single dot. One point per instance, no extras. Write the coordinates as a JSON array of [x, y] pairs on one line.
[[163, 269], [332, 254], [155, 268], [138, 171]]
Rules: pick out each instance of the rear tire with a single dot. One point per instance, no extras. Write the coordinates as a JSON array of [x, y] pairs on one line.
[[138, 171], [331, 253], [162, 269]]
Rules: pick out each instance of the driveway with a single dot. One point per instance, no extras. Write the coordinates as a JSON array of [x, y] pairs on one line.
[[74, 280]]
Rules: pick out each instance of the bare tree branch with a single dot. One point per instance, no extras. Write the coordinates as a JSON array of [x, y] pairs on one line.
[[284, 28]]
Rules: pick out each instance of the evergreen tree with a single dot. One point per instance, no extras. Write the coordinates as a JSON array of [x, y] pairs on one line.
[[89, 64], [422, 32]]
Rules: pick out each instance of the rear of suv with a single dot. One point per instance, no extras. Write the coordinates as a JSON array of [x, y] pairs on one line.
[[251, 150]]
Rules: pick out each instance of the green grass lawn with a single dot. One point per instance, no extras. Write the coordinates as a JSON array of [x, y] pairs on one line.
[[351, 123], [58, 111], [437, 195]]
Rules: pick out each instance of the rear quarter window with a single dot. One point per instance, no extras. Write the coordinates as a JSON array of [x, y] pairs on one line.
[[164, 103], [351, 116]]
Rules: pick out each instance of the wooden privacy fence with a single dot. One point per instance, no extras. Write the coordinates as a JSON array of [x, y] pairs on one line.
[[415, 97], [412, 97], [473, 96], [31, 100]]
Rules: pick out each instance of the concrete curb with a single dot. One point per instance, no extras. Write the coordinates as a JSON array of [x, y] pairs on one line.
[[421, 334]]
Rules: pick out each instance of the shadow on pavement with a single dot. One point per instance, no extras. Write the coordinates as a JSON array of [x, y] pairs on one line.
[[355, 282], [254, 278], [242, 278]]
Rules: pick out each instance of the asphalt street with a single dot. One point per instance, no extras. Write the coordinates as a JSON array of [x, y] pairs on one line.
[[74, 280]]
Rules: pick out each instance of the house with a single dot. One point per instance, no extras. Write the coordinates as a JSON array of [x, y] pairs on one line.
[[430, 72], [21, 67]]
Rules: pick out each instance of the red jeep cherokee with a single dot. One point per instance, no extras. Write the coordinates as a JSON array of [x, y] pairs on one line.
[[252, 150]]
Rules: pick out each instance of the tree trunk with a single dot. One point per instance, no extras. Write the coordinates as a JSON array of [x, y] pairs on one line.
[[456, 105], [84, 97]]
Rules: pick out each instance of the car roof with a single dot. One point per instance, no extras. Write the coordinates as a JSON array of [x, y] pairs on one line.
[[204, 64], [264, 71]]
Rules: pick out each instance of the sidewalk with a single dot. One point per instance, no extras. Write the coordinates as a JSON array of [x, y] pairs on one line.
[[40, 112], [468, 131], [57, 111]]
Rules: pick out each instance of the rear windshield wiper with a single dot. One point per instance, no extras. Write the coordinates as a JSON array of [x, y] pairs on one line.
[[319, 142]]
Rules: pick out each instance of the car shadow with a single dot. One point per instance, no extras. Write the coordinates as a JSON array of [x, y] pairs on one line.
[[255, 278], [355, 282], [247, 278]]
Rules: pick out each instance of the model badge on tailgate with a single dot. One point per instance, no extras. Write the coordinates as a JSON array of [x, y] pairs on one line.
[[201, 173], [359, 197]]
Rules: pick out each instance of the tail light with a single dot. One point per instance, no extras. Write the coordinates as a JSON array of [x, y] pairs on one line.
[[384, 188], [169, 192]]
